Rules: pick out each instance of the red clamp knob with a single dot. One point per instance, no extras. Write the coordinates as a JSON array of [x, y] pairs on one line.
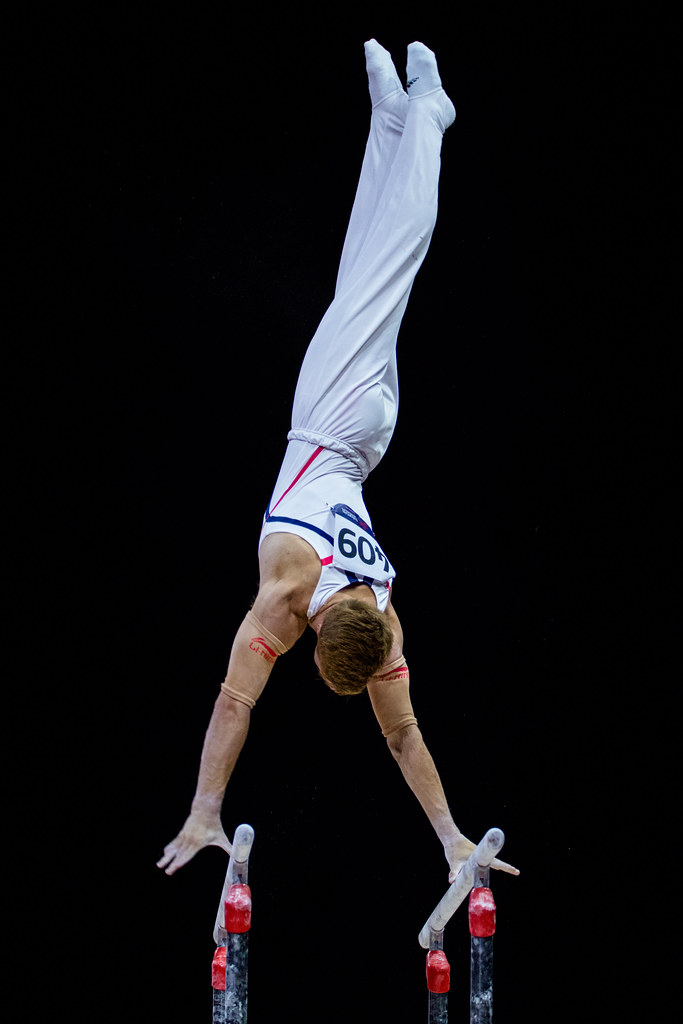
[[238, 909], [218, 969], [438, 971], [482, 913]]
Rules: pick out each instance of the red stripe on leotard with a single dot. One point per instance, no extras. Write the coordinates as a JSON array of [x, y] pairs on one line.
[[315, 455]]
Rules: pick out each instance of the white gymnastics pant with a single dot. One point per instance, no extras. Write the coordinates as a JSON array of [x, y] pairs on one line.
[[347, 393]]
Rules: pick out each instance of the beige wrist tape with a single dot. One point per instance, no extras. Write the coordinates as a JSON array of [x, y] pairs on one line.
[[249, 678], [390, 695]]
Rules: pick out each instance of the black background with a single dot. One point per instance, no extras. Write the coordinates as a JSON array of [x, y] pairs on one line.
[[187, 180]]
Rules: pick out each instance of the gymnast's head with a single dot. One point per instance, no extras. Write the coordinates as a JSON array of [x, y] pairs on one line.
[[354, 642]]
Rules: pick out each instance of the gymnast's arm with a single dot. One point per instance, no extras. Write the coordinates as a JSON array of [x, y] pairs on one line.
[[390, 698], [270, 623]]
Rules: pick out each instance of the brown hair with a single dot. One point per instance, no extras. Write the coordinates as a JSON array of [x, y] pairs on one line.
[[353, 643]]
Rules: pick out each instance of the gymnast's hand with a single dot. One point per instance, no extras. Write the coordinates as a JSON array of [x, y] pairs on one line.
[[457, 852], [197, 832]]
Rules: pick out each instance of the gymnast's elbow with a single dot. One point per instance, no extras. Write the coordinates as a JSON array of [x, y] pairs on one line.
[[400, 741], [235, 708]]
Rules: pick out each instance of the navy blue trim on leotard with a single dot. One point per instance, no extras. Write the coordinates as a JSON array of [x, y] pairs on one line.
[[352, 578], [299, 522]]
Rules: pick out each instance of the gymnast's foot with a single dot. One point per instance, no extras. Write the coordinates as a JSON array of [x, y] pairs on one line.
[[383, 81], [424, 80]]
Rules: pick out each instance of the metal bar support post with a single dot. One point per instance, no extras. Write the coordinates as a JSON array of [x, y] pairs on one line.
[[482, 921], [231, 935]]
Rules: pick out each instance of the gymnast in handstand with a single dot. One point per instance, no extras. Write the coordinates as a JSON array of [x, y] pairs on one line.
[[321, 564]]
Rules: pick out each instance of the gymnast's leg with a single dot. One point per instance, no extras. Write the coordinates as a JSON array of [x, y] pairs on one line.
[[389, 109], [348, 387]]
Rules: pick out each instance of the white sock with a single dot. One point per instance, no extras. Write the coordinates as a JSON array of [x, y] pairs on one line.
[[421, 70], [424, 80], [383, 79]]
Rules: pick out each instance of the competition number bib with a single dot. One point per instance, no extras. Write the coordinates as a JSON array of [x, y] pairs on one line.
[[356, 549]]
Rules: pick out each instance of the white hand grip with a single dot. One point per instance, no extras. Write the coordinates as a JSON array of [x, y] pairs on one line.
[[481, 856]]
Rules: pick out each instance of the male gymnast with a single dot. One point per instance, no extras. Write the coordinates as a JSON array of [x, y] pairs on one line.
[[320, 563]]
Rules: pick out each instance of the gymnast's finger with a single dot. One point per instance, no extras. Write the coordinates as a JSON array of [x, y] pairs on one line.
[[501, 865]]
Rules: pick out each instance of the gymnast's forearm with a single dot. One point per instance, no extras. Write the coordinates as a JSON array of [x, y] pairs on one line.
[[223, 743], [419, 771], [224, 740]]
